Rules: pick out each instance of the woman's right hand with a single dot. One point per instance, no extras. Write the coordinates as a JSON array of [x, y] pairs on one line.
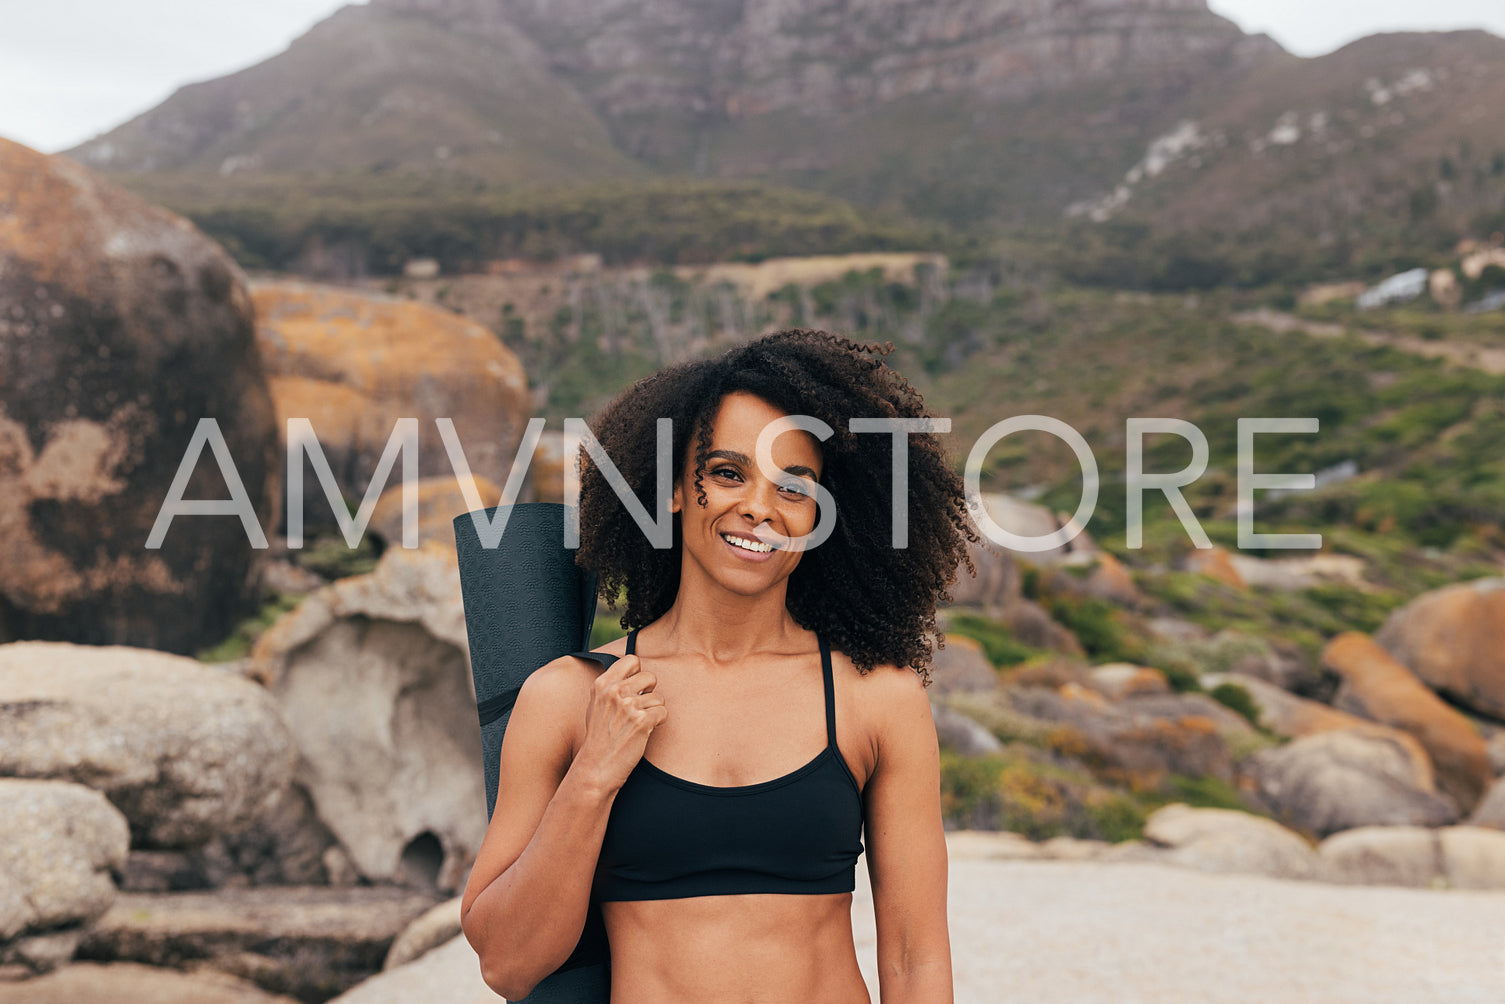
[[622, 714]]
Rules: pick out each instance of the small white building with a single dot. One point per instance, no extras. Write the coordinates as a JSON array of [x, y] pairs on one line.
[[1396, 289], [421, 268]]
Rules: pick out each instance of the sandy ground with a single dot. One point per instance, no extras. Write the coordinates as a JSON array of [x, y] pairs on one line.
[[1081, 932]]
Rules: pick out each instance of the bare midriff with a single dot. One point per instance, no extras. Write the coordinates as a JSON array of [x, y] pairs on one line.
[[736, 949]]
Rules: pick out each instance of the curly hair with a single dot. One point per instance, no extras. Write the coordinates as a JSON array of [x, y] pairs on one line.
[[870, 600]]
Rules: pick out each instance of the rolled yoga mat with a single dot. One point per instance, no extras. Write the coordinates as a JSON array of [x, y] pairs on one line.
[[526, 604]]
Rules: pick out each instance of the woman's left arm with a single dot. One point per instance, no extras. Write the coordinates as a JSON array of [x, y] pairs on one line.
[[906, 845]]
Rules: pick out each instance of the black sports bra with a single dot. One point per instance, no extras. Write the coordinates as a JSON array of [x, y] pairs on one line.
[[668, 838]]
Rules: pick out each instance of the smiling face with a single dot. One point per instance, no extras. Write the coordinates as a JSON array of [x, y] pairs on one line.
[[720, 540]]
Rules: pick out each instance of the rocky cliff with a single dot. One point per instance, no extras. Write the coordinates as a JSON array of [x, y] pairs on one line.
[[478, 82], [646, 65]]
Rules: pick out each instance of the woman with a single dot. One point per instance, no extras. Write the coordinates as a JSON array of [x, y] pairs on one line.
[[682, 786]]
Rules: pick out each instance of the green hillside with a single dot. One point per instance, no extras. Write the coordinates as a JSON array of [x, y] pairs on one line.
[[1125, 145], [984, 345]]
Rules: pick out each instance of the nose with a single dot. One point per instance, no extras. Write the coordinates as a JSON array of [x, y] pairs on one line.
[[758, 502]]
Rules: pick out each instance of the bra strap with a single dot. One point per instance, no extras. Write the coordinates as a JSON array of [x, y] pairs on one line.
[[632, 641], [830, 683]]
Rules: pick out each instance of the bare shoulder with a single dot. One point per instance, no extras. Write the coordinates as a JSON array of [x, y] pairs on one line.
[[560, 680], [887, 689], [567, 675], [882, 708], [559, 692]]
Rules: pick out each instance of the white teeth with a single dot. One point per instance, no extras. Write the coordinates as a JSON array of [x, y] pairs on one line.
[[749, 545]]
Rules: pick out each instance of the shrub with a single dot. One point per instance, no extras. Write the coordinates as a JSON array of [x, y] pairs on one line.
[[1237, 698], [332, 558], [997, 642], [1096, 625], [1116, 817]]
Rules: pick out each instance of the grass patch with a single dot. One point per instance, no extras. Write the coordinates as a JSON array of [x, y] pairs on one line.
[[238, 644], [332, 558], [997, 642], [1012, 791], [1198, 792]]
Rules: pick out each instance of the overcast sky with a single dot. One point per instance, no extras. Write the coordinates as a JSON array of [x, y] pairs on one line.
[[71, 69]]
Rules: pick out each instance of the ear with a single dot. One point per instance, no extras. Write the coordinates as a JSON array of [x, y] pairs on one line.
[[677, 500]]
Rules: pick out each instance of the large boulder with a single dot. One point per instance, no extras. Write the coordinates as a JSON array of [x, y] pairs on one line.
[[1030, 624], [1111, 580], [1381, 855], [957, 732], [373, 678], [58, 845], [1454, 857], [1291, 715], [1491, 808], [285, 845], [307, 942], [130, 983], [1473, 857], [1142, 739], [440, 500], [961, 667], [1454, 639], [1291, 574], [1215, 563], [996, 584], [354, 363], [1496, 747], [553, 475], [449, 974], [121, 326], [1377, 687], [1337, 780], [186, 751], [1225, 840], [438, 925], [1117, 680], [1026, 519]]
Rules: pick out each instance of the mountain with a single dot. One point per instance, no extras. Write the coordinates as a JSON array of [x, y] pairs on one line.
[[1102, 131], [377, 89], [1376, 155], [527, 89]]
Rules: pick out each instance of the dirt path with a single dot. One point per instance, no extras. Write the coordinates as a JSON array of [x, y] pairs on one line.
[[1489, 360]]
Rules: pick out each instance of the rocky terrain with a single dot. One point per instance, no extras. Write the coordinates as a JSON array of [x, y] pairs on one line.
[[292, 814]]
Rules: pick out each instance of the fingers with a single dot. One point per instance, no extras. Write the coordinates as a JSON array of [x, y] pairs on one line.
[[626, 677], [626, 666]]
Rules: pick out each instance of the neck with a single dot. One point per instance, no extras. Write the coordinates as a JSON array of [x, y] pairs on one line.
[[722, 628]]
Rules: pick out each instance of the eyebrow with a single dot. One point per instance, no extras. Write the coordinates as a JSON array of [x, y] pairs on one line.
[[741, 458]]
